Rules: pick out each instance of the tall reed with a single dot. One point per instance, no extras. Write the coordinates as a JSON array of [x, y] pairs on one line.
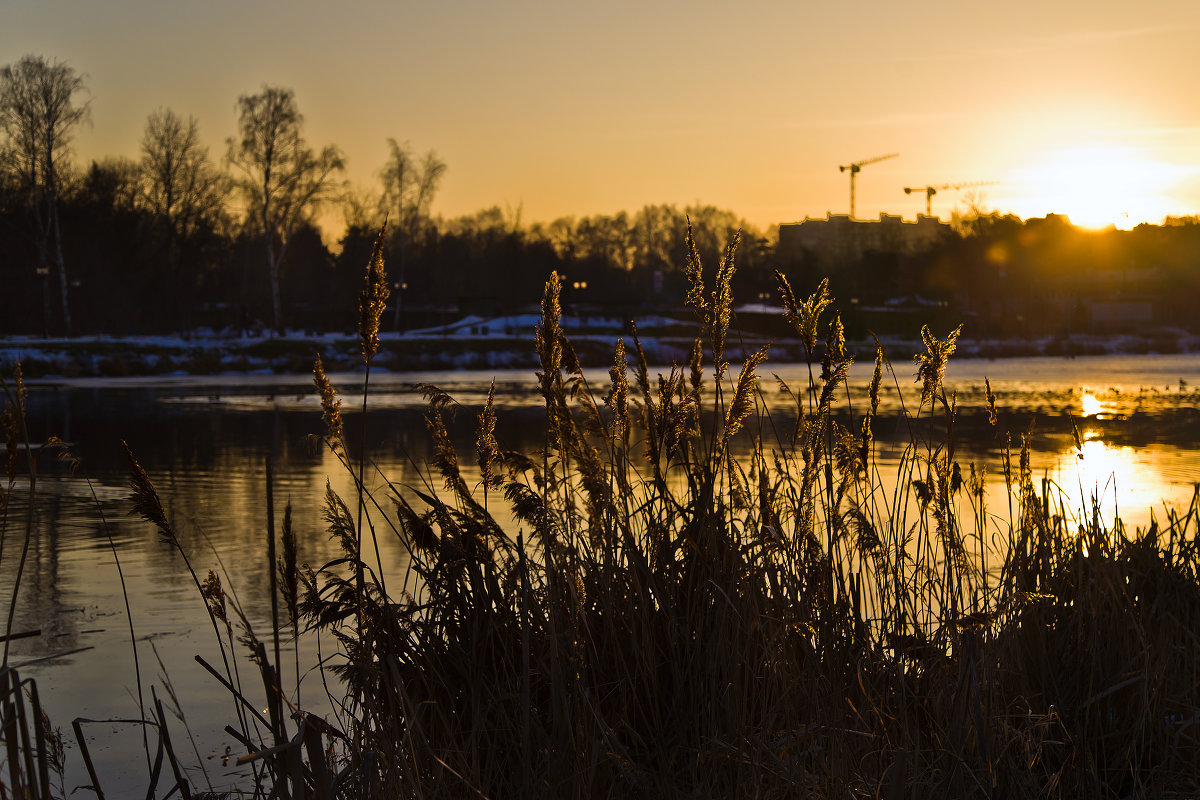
[[657, 613]]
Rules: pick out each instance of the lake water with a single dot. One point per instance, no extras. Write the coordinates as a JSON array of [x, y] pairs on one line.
[[205, 441]]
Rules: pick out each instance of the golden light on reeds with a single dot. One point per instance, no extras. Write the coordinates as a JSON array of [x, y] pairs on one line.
[[331, 406], [373, 299]]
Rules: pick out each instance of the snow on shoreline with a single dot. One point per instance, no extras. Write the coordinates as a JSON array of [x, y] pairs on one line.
[[469, 343]]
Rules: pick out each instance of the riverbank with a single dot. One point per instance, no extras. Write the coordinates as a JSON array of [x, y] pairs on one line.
[[478, 343]]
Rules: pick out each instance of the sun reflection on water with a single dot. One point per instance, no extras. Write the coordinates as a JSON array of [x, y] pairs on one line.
[[1090, 404], [1108, 477]]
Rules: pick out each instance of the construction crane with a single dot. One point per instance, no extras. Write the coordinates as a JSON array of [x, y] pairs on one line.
[[856, 168], [930, 191]]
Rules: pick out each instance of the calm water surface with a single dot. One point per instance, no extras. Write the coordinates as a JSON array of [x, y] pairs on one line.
[[205, 443]]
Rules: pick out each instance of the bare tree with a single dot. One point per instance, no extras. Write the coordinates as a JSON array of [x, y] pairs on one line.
[[283, 179], [362, 208], [409, 185], [38, 112], [178, 184]]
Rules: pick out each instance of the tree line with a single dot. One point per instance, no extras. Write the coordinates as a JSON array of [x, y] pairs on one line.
[[179, 239]]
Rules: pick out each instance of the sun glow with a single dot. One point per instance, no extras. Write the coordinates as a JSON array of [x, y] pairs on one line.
[[1101, 467], [1099, 186]]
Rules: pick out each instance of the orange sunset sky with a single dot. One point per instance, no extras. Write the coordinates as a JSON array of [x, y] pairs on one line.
[[564, 108]]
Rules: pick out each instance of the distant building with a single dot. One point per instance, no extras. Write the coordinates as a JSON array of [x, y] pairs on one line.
[[837, 238]]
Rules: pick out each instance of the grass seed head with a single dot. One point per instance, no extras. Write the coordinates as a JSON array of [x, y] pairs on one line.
[[289, 574], [694, 271], [722, 304], [804, 317], [876, 379], [618, 396], [486, 447], [931, 365], [743, 394], [835, 348], [146, 502], [214, 596], [331, 406], [993, 417], [791, 311], [373, 299], [549, 338]]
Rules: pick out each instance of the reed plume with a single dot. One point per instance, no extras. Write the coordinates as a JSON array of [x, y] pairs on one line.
[[694, 271], [804, 317], [835, 364], [289, 568], [993, 417], [373, 299], [876, 379], [146, 502], [835, 349], [931, 365], [486, 447], [618, 395], [722, 304], [742, 404], [340, 522], [696, 365], [331, 407], [214, 596], [548, 338]]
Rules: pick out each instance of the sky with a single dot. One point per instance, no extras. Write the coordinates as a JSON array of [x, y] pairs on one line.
[[561, 108]]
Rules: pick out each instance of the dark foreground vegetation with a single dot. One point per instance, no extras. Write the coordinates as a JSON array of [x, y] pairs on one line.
[[634, 611]]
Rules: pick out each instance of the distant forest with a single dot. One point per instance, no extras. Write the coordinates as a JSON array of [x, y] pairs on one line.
[[180, 239]]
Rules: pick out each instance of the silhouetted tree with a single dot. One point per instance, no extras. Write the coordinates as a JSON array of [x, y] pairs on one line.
[[117, 288], [38, 112], [283, 179], [409, 185], [179, 186]]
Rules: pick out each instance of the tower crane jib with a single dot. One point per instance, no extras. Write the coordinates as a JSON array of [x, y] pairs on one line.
[[856, 168], [930, 191]]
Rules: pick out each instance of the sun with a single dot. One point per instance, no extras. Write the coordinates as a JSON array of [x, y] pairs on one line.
[[1099, 185]]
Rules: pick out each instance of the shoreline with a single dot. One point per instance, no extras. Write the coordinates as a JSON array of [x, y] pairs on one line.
[[464, 347]]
